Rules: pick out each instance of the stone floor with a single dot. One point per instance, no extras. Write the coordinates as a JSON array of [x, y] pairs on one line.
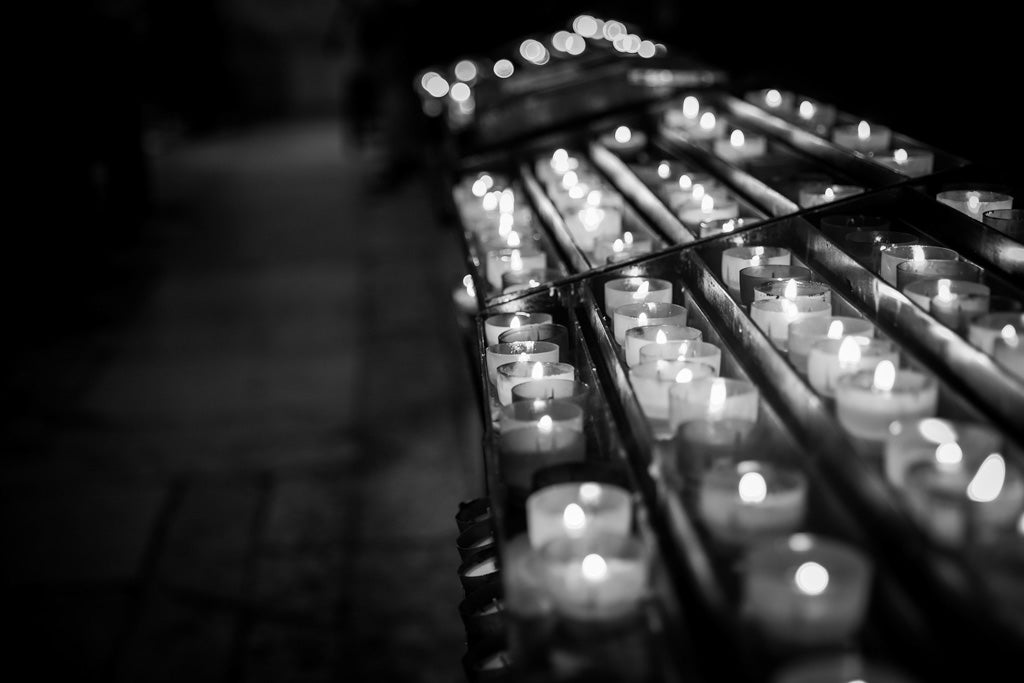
[[243, 464]]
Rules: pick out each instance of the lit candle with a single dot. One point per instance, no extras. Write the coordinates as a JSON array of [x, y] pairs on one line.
[[748, 501], [465, 296], [741, 146], [975, 203], [712, 398], [652, 381], [914, 270], [501, 353], [648, 313], [818, 193], [910, 162], [559, 412], [597, 578], [921, 292], [527, 279], [699, 443], [710, 207], [500, 261], [803, 334], [816, 116], [549, 389], [957, 310], [524, 450], [511, 374], [722, 226], [635, 290], [543, 332], [774, 316], [1008, 351], [944, 441], [754, 276], [986, 329], [736, 259], [863, 137], [638, 337], [693, 351], [892, 256], [625, 139], [806, 589], [830, 359], [496, 324], [625, 245], [868, 401], [576, 510]]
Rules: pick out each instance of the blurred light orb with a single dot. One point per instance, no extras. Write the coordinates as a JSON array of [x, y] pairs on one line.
[[437, 86], [576, 45], [465, 70], [503, 68], [460, 92], [531, 50], [560, 41], [585, 25], [619, 43], [544, 58], [632, 43], [646, 49], [427, 77], [613, 29]]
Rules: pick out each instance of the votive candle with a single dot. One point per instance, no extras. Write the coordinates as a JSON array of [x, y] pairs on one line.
[[868, 401]]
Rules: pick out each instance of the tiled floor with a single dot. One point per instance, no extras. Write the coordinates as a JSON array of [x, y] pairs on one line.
[[250, 471]]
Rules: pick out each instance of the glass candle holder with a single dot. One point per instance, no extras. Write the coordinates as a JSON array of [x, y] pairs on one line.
[[935, 439], [712, 398], [794, 290], [598, 577], [816, 194], [1008, 352], [830, 359], [912, 271], [1010, 222], [501, 261], [638, 337], [736, 259], [577, 510], [712, 207], [526, 351], [892, 256], [984, 330], [956, 311], [511, 374], [752, 277], [559, 411], [550, 389], [524, 450], [525, 280], [837, 668], [545, 332], [806, 589], [751, 500], [866, 246], [528, 608], [868, 401], [693, 351], [652, 381], [722, 226], [774, 316], [863, 137], [699, 443], [635, 290], [639, 315], [921, 292], [975, 203], [804, 333], [496, 324], [740, 146], [910, 162]]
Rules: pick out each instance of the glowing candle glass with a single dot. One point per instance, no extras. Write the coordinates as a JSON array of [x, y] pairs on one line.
[[830, 359], [868, 401], [975, 203], [699, 443], [909, 162], [638, 337], [722, 226], [1008, 351], [635, 290], [651, 313], [753, 276], [817, 193], [496, 324], [712, 398], [652, 382], [862, 137], [546, 389], [803, 334], [711, 207], [892, 256], [986, 329], [561, 412], [911, 271], [947, 442], [598, 577], [501, 261], [524, 450], [740, 146], [921, 292], [748, 501], [532, 351], [576, 510], [774, 316], [841, 668], [735, 259], [1007, 221], [693, 351], [511, 374], [525, 280]]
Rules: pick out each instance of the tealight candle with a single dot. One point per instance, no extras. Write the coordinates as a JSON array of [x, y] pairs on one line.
[[708, 127], [523, 280], [986, 329], [511, 374], [910, 162], [816, 116], [921, 292], [593, 223], [868, 401], [723, 226], [1008, 351], [576, 510], [635, 290], [548, 389], [741, 146], [545, 332], [747, 501], [753, 276], [596, 578], [866, 246], [975, 203], [892, 256], [624, 139], [803, 334], [735, 259], [693, 351], [956, 311], [524, 450], [638, 337], [500, 261], [773, 100], [816, 194], [911, 271], [806, 589], [649, 313], [935, 439], [561, 412], [651, 384], [712, 398], [711, 207], [794, 290], [1007, 221], [496, 324], [830, 359], [501, 353], [774, 316], [863, 137]]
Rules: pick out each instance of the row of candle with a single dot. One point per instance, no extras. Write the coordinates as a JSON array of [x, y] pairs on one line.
[[994, 209]]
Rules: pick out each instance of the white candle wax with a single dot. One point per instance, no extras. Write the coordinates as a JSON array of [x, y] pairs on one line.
[[986, 329], [956, 311], [863, 137], [712, 398], [649, 313], [511, 374], [633, 290], [501, 353], [496, 324], [774, 316], [910, 162], [830, 359], [868, 401], [652, 381], [803, 334], [638, 337], [935, 439], [736, 259], [693, 351], [740, 146], [743, 502], [975, 203], [577, 510]]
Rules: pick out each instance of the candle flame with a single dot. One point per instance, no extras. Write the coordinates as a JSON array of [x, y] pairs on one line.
[[513, 239], [591, 217], [590, 492], [753, 488], [736, 139], [618, 246], [789, 309], [515, 261], [835, 329], [949, 454], [918, 252], [806, 109], [559, 156], [698, 191], [642, 291], [987, 483], [574, 519], [594, 568], [691, 106], [1009, 335], [683, 376], [973, 202], [623, 134], [790, 290], [538, 373], [570, 179], [627, 237], [507, 202], [641, 320], [594, 198], [661, 337], [479, 188], [545, 424], [773, 98], [505, 222], [863, 130], [578, 191], [830, 194], [885, 376], [707, 205], [900, 156], [937, 431], [707, 121], [685, 182], [664, 170], [490, 201], [943, 290], [811, 578], [716, 397], [729, 225]]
